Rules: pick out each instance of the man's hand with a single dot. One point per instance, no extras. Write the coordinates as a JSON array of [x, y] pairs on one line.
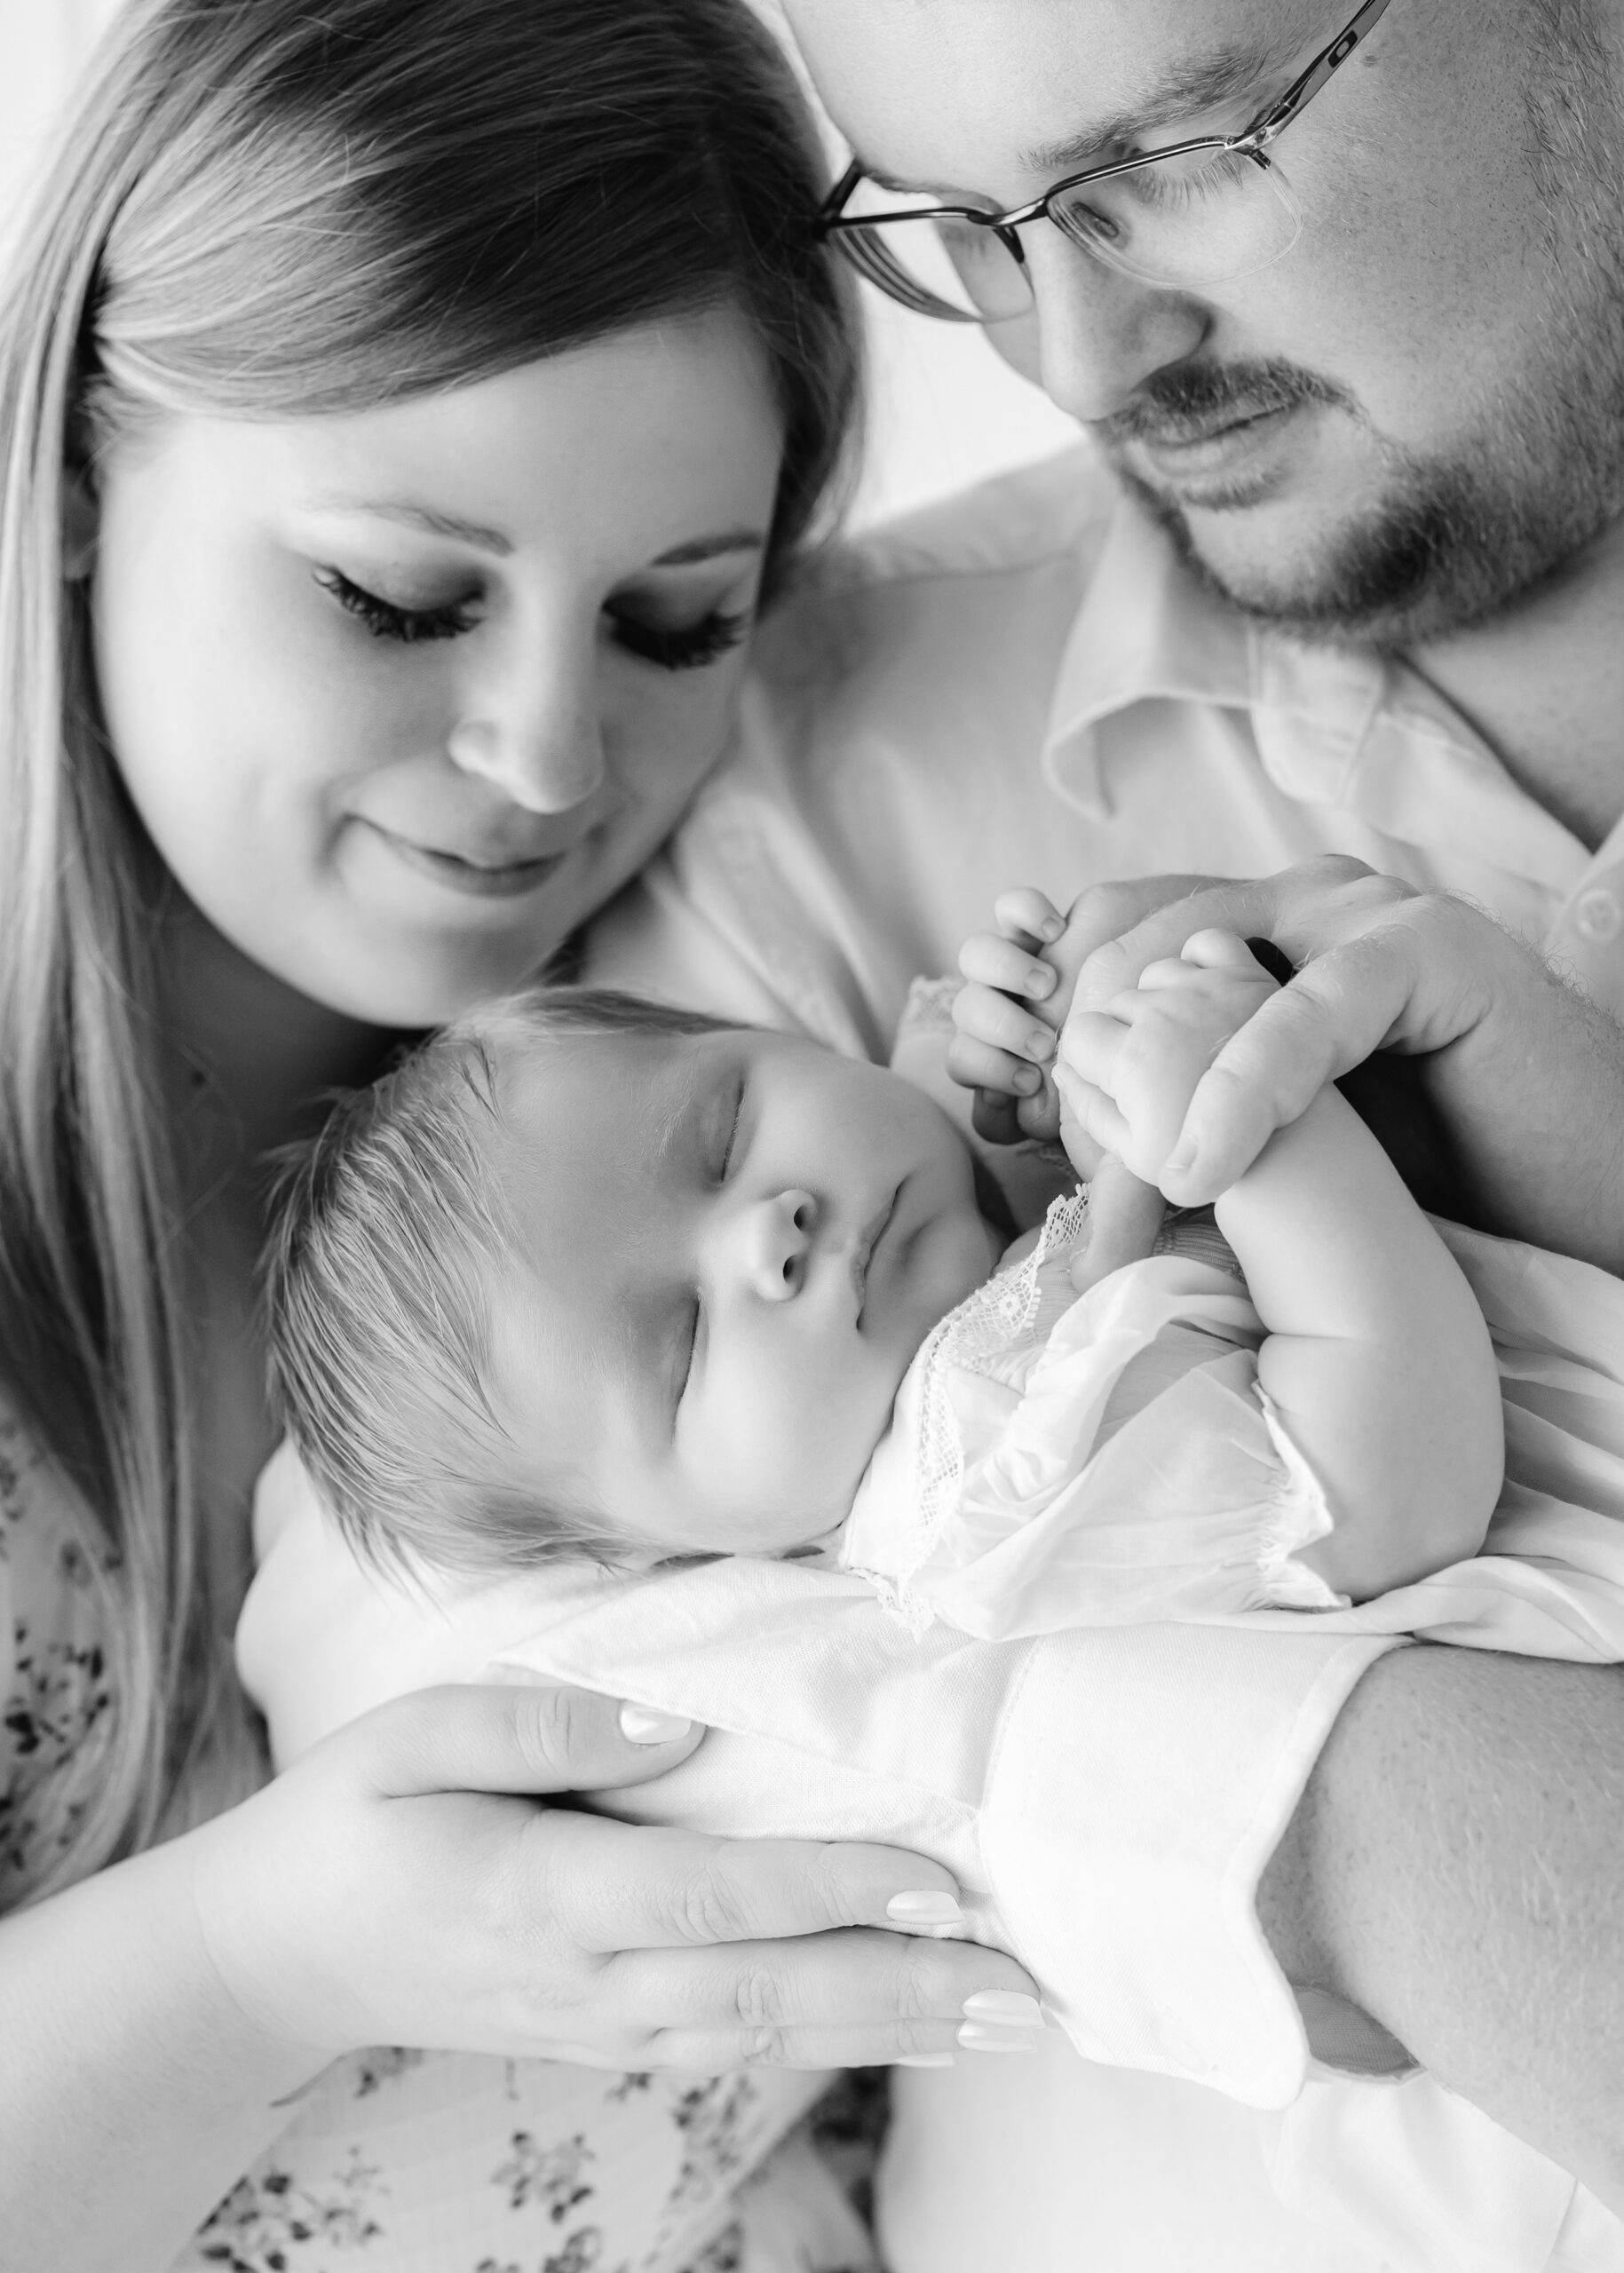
[[1020, 981], [1525, 1075]]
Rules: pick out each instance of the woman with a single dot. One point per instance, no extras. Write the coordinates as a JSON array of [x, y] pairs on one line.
[[405, 412]]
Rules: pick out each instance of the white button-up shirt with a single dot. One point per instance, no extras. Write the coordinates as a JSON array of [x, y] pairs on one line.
[[1025, 687]]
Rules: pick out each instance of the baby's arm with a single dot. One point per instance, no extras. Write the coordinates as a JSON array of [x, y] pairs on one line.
[[1377, 1360]]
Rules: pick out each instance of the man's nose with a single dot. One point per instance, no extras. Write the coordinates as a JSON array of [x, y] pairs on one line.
[[775, 1238], [1100, 334], [530, 723]]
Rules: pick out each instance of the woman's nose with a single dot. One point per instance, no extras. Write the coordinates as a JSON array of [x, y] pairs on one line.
[[1100, 334], [777, 1237], [533, 729]]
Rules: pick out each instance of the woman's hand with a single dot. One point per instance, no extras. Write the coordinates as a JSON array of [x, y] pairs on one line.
[[390, 1888]]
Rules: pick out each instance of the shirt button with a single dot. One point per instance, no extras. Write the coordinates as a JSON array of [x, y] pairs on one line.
[[1597, 915]]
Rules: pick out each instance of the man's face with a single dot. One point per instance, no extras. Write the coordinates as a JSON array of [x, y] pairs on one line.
[[1415, 416]]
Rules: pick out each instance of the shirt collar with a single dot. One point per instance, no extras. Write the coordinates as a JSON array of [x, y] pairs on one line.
[[1332, 725]]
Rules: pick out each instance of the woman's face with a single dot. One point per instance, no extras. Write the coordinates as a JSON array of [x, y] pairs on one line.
[[404, 694]]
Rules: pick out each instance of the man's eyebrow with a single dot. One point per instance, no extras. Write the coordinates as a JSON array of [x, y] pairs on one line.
[[1180, 93], [1183, 94]]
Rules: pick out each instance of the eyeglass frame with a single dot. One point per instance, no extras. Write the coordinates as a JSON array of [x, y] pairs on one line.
[[838, 227]]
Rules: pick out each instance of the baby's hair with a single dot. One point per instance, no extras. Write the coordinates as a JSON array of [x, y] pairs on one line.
[[388, 1229]]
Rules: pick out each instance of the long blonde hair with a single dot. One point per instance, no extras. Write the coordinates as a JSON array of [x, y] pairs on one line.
[[264, 209]]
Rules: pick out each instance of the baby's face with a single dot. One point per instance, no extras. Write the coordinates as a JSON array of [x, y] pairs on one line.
[[731, 1245]]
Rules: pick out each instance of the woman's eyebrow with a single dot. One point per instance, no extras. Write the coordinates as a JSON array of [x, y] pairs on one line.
[[710, 548], [420, 517]]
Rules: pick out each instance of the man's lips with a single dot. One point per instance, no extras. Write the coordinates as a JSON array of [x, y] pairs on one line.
[[1183, 441]]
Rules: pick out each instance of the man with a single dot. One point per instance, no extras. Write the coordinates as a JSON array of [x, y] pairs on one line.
[[1364, 368]]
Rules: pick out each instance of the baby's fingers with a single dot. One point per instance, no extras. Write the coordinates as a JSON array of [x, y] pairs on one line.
[[1027, 912], [986, 1016], [988, 960], [976, 1065]]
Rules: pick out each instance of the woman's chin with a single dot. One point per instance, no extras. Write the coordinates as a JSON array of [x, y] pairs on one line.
[[409, 984]]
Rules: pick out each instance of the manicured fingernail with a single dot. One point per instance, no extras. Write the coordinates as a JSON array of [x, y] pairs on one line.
[[975, 2038], [1008, 2008], [642, 1725], [924, 2060], [924, 1906], [1040, 1044], [1040, 981]]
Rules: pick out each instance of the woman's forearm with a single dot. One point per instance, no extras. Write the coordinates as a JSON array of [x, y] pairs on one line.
[[1456, 1869], [133, 2092]]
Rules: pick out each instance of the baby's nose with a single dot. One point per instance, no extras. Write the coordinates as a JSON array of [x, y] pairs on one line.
[[778, 1239]]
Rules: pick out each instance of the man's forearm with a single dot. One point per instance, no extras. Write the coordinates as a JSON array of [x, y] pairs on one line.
[[1456, 1868]]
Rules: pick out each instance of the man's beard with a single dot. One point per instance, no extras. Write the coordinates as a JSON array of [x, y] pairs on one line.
[[1453, 540], [1460, 537]]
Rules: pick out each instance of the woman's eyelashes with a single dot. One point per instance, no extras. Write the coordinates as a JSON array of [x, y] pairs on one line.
[[387, 620], [681, 647], [673, 647]]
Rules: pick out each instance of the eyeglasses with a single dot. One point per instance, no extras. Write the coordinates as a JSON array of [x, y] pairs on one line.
[[1199, 212]]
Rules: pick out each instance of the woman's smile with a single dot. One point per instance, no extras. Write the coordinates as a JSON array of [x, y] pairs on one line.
[[480, 877], [509, 760]]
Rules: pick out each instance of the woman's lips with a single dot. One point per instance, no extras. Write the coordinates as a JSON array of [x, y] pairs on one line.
[[481, 879]]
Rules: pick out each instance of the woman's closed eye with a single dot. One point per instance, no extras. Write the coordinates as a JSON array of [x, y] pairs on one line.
[[389, 620], [680, 647]]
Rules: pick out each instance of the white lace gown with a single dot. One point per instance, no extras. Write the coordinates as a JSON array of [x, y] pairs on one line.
[[405, 2162], [1056, 1460]]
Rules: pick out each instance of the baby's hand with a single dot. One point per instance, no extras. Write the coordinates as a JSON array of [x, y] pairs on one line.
[[1010, 1014], [1127, 1072]]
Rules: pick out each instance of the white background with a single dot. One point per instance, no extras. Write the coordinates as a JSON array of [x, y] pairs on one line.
[[944, 411]]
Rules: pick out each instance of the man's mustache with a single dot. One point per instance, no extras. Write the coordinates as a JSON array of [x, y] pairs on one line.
[[1189, 401]]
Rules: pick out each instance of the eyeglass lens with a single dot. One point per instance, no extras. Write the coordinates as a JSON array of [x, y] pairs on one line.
[[1202, 218]]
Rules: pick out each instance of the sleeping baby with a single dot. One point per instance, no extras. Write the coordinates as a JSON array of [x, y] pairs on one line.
[[586, 1276]]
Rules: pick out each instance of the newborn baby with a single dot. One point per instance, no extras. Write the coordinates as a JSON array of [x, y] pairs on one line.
[[589, 1277]]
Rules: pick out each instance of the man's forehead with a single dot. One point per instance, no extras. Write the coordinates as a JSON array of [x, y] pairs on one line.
[[962, 93]]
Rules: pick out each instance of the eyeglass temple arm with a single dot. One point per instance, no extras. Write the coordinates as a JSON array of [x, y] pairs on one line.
[[1324, 66]]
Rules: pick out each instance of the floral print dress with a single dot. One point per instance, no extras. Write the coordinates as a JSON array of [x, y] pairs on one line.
[[399, 2161]]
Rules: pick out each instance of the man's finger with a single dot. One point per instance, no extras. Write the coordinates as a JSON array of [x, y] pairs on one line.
[[1269, 1072], [1246, 906]]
